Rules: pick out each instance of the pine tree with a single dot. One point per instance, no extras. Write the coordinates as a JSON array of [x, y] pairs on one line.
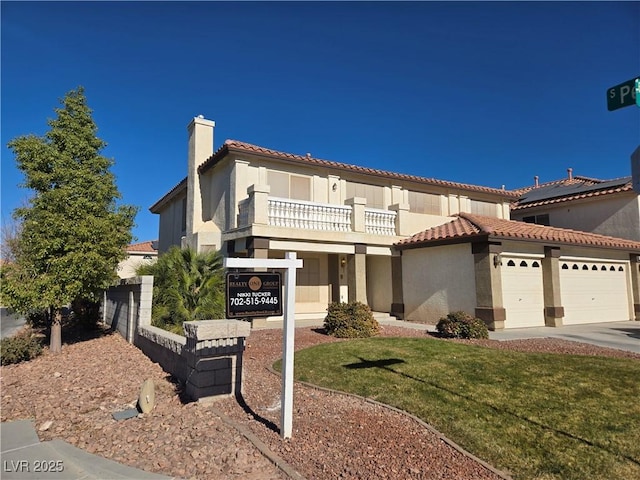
[[73, 233]]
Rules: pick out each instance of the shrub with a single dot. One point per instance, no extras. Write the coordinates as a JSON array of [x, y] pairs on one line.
[[18, 349], [462, 325], [350, 320]]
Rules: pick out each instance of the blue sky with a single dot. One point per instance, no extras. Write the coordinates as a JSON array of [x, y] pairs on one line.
[[483, 93]]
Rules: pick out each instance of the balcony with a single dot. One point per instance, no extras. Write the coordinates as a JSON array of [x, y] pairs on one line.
[[260, 209]]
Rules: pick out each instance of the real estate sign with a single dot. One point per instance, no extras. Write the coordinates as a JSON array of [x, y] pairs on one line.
[[253, 294]]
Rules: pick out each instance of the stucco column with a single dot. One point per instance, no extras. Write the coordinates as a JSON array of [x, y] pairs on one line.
[[259, 204], [553, 309], [402, 218], [397, 298], [357, 213], [258, 247], [489, 305], [635, 284], [357, 274], [397, 194]]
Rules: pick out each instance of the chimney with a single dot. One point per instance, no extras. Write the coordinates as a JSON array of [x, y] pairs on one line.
[[200, 148], [570, 173], [536, 181]]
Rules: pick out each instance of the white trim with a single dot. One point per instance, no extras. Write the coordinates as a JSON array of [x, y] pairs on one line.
[[311, 247], [596, 260], [522, 255]]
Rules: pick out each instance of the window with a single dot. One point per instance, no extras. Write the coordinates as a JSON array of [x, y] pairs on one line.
[[538, 219], [285, 185], [373, 193], [484, 208], [424, 203]]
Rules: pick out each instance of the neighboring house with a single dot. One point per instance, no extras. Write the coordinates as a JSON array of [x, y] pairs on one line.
[[138, 254], [607, 207], [350, 225]]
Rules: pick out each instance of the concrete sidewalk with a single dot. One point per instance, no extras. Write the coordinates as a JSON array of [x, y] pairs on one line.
[[24, 457]]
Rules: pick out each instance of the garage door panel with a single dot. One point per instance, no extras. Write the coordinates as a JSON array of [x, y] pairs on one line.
[[522, 292], [594, 292]]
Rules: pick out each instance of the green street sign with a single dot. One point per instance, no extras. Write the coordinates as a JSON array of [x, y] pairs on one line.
[[623, 95]]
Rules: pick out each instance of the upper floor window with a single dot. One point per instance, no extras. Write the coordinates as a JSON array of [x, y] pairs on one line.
[[484, 208], [424, 203], [373, 193], [287, 185], [538, 219]]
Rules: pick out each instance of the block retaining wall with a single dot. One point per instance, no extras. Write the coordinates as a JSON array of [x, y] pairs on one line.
[[208, 359]]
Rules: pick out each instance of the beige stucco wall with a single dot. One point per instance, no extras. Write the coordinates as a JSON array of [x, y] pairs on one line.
[[127, 267], [615, 215], [379, 288], [170, 225], [418, 222], [437, 281]]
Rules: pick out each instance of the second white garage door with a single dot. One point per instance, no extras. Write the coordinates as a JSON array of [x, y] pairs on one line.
[[594, 291], [522, 292]]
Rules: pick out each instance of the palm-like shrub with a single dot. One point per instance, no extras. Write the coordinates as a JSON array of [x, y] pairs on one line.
[[186, 286]]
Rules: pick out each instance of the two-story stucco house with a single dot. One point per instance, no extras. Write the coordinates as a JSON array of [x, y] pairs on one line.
[[416, 248]]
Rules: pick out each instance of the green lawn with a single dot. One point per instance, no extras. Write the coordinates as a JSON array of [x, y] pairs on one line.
[[537, 416]]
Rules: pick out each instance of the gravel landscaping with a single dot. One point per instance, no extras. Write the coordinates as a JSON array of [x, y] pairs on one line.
[[334, 435]]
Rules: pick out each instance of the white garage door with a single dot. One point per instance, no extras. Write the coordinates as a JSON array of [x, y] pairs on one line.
[[594, 291], [522, 292]]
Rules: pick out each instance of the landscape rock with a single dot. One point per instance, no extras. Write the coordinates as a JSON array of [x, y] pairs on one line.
[[333, 434]]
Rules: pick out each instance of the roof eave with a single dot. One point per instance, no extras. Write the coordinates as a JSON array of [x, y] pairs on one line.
[[229, 148], [171, 194]]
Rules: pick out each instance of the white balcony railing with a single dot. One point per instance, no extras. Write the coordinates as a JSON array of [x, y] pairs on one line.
[[299, 214], [380, 222], [284, 212]]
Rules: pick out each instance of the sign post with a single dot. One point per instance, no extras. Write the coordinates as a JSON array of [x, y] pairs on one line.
[[290, 263]]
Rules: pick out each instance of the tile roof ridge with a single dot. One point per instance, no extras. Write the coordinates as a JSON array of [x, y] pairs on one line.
[[477, 221]]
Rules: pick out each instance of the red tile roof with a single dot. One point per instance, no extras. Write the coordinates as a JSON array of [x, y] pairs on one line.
[[467, 227], [584, 181], [143, 247], [236, 146]]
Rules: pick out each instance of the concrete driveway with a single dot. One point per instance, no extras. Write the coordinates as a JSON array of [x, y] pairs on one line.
[[620, 335]]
